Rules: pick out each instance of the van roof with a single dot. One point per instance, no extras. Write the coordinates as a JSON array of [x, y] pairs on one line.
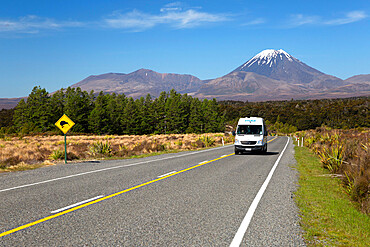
[[251, 120]]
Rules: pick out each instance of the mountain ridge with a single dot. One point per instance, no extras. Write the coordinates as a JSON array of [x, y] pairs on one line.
[[269, 75], [140, 83], [283, 77]]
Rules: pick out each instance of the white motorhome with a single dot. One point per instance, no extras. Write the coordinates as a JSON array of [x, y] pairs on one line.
[[250, 135]]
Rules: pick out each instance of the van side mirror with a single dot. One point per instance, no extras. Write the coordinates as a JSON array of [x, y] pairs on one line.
[[266, 133], [233, 132]]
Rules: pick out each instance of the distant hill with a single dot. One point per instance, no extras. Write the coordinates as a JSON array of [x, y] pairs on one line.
[[359, 79], [8, 103], [140, 83], [269, 75]]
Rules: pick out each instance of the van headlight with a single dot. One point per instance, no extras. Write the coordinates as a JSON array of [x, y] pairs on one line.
[[237, 141], [260, 142]]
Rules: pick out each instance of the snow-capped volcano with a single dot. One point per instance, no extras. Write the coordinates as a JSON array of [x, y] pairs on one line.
[[280, 65], [268, 57]]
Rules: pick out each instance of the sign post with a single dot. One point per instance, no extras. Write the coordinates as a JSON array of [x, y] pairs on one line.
[[65, 124]]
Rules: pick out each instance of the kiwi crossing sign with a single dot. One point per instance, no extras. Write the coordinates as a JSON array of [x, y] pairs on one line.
[[65, 124]]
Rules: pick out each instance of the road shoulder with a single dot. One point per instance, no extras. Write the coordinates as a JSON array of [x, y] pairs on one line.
[[276, 220]]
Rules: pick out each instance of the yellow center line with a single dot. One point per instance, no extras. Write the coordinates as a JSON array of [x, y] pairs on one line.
[[108, 197], [272, 139]]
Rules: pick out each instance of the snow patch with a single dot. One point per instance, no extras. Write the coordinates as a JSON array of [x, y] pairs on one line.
[[268, 57]]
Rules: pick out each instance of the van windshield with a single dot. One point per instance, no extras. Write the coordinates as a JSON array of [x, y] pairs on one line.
[[249, 130]]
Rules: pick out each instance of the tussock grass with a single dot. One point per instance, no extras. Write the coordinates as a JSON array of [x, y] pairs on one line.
[[22, 166], [329, 218], [346, 154], [35, 150]]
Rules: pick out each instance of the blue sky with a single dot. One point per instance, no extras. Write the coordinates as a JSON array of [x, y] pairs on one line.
[[57, 43]]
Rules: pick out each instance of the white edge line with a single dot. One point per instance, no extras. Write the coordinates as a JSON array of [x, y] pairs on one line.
[[109, 168], [76, 204], [248, 217], [166, 174]]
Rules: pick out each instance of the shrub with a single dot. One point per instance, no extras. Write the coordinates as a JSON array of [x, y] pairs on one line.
[[207, 141], [57, 155], [332, 158], [161, 147], [12, 161], [100, 148]]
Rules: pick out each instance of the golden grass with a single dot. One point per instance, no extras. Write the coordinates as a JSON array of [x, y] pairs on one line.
[[22, 166], [33, 151]]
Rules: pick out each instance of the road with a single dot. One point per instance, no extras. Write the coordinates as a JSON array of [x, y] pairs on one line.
[[195, 198]]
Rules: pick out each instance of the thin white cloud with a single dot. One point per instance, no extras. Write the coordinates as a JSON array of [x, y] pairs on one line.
[[172, 15], [254, 22], [301, 20], [34, 24], [176, 6], [192, 18], [350, 17], [133, 20]]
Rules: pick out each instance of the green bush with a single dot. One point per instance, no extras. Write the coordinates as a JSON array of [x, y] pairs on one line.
[[207, 140], [57, 155], [332, 158], [100, 148]]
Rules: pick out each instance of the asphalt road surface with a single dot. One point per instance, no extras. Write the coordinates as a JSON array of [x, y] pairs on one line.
[[199, 198]]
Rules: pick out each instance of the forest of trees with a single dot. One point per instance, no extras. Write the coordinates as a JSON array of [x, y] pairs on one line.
[[304, 114], [115, 114], [172, 112]]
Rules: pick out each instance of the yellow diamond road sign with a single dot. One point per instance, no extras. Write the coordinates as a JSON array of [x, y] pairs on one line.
[[64, 124]]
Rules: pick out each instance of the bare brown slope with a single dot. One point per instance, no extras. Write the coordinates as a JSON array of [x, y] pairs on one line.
[[140, 83], [250, 86], [359, 79]]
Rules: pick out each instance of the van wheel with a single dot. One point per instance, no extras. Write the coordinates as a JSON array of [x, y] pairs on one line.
[[236, 152], [264, 149]]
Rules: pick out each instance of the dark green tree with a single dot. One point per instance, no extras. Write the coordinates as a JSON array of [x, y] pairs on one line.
[[36, 110], [159, 108], [196, 124], [78, 106], [121, 102], [213, 120], [21, 117], [174, 113], [130, 118], [147, 121], [113, 114], [99, 122], [57, 102]]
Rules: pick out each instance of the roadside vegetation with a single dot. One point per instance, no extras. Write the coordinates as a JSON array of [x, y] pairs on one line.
[[328, 216], [345, 155], [29, 152]]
